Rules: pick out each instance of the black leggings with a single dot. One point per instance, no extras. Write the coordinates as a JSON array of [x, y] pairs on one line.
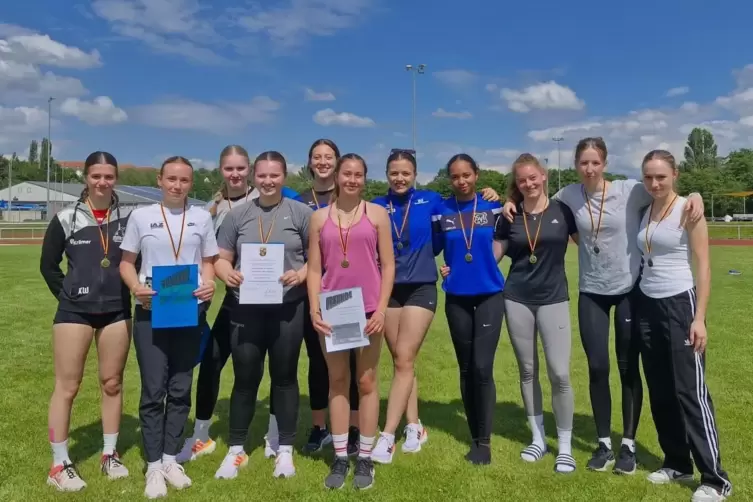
[[593, 319], [256, 330], [213, 361], [475, 324], [318, 376]]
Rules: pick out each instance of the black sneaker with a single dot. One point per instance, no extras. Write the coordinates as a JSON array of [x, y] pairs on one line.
[[602, 458], [338, 471], [363, 479], [353, 440], [319, 437], [625, 461]]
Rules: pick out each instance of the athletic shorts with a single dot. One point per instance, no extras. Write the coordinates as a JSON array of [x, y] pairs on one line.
[[95, 321], [414, 295]]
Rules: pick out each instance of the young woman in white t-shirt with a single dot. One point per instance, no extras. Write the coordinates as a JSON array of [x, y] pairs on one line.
[[671, 304], [168, 233]]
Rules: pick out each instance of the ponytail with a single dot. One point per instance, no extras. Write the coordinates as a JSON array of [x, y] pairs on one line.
[[114, 200], [85, 194]]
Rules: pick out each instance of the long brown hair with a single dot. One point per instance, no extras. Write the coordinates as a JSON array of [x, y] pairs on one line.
[[526, 159], [222, 193]]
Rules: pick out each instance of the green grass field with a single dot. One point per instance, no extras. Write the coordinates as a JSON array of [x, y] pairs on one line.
[[439, 472]]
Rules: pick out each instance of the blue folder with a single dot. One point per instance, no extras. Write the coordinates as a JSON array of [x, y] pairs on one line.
[[174, 305]]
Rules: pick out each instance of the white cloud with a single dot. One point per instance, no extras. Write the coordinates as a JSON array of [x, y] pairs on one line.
[[100, 111], [543, 96], [677, 91], [442, 113], [311, 95], [506, 153], [456, 78], [42, 50], [690, 107], [216, 118], [20, 81], [19, 125], [329, 117]]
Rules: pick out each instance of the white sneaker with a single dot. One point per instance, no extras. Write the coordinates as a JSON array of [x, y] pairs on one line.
[[271, 445], [230, 465], [176, 475], [415, 436], [194, 448], [65, 478], [706, 493], [284, 467], [155, 484], [665, 475], [384, 449], [112, 467]]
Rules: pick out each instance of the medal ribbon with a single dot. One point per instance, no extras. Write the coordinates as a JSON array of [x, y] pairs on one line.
[[648, 223], [595, 234], [399, 233], [344, 241], [532, 245], [264, 239], [468, 241], [104, 238], [176, 253]]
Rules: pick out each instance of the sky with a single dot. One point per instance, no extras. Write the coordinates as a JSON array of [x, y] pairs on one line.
[[147, 79]]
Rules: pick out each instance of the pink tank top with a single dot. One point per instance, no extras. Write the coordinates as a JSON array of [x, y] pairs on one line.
[[363, 270]]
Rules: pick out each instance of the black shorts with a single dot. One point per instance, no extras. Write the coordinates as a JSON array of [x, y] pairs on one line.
[[414, 295], [95, 321]]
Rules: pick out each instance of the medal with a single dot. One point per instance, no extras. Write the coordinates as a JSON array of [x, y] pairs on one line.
[[265, 239], [650, 261], [532, 244], [176, 252], [468, 240], [399, 233], [344, 240], [595, 232], [104, 237]]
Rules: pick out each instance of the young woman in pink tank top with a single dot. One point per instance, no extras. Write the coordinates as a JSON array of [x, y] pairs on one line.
[[350, 245]]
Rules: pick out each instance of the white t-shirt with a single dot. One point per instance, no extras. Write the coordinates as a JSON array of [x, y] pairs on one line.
[[671, 255], [147, 234]]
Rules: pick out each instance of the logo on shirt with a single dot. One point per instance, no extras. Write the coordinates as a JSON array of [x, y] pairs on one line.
[[555, 220], [449, 223], [191, 224], [482, 219], [157, 224], [83, 291], [421, 201], [79, 242]]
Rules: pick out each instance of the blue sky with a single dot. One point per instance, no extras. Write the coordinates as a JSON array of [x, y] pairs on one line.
[[145, 79]]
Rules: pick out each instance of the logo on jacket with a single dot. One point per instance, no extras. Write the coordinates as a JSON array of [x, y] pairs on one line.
[[83, 291], [482, 218], [79, 242], [156, 225], [421, 201], [191, 224]]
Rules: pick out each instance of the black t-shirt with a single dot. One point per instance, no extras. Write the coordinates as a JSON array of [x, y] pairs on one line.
[[307, 197], [543, 282]]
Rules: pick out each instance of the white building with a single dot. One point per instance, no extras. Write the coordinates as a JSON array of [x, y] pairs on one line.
[[27, 201]]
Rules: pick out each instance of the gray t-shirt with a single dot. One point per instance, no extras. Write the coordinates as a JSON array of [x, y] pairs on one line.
[[291, 228], [614, 270]]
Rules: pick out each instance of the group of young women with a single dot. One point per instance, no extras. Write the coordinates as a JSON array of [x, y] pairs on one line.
[[335, 240]]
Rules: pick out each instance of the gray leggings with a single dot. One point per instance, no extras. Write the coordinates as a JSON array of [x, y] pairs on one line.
[[553, 323]]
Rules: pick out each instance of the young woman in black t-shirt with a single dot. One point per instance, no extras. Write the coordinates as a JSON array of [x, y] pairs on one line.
[[536, 300]]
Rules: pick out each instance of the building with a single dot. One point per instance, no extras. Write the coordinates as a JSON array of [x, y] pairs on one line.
[[29, 199], [78, 165]]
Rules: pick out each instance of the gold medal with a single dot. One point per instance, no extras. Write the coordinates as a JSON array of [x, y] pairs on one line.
[[399, 246], [104, 237], [468, 240], [344, 240], [532, 244], [532, 259], [468, 257], [105, 262], [345, 264]]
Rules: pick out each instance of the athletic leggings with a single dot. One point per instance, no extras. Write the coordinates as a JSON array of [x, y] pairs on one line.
[[593, 319], [475, 324], [213, 361], [256, 330], [553, 324]]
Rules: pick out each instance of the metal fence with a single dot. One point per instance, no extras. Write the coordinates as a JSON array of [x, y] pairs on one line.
[[22, 232]]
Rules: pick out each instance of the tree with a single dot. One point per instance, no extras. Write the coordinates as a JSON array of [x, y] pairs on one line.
[[45, 148], [33, 151], [701, 151]]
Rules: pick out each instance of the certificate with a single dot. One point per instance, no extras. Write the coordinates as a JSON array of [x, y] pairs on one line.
[[174, 305], [262, 266], [344, 311]]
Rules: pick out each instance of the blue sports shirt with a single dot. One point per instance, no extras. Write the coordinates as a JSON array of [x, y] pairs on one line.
[[417, 245], [481, 275]]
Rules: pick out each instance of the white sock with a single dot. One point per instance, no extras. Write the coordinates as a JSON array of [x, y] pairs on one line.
[[536, 423], [285, 449], [340, 443], [565, 437], [236, 450], [168, 459], [365, 446], [109, 440], [607, 442], [273, 433], [151, 466], [60, 453], [630, 443], [201, 430]]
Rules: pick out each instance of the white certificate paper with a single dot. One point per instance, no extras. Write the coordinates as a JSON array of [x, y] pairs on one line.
[[344, 311], [262, 266]]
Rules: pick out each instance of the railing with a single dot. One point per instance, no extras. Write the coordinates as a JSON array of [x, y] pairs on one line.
[[22, 233], [732, 231]]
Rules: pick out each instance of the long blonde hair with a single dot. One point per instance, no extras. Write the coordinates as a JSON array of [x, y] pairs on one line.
[[222, 193]]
